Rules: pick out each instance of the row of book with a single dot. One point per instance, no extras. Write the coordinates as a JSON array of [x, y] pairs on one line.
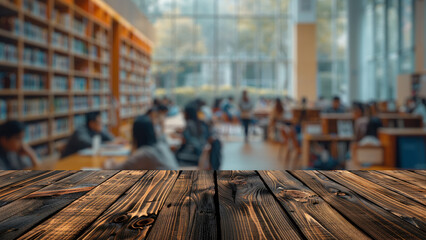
[[80, 84], [35, 107], [60, 40], [8, 52], [37, 8], [80, 26], [35, 33], [101, 36], [61, 126], [36, 131], [81, 103], [60, 83], [61, 104], [130, 88], [3, 109], [7, 80], [61, 18], [35, 57], [10, 24], [34, 82], [80, 47], [61, 62]]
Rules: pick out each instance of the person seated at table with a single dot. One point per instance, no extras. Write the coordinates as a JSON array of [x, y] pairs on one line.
[[82, 138], [362, 117], [229, 109], [371, 135], [421, 109], [14, 153], [195, 136], [409, 105], [336, 106], [148, 152], [275, 116]]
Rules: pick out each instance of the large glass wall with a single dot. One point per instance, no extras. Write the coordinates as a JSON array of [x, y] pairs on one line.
[[388, 46], [332, 47], [215, 48]]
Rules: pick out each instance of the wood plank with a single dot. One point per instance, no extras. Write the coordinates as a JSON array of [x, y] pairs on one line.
[[249, 211], [412, 191], [71, 220], [405, 208], [421, 172], [407, 176], [21, 215], [133, 214], [189, 211], [316, 218], [20, 189], [5, 172], [17, 176], [372, 219]]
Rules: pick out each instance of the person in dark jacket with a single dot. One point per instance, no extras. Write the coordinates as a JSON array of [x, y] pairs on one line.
[[83, 136], [14, 153]]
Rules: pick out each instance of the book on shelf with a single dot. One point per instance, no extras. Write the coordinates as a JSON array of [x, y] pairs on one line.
[[3, 109], [61, 104], [10, 24], [80, 47], [37, 8], [96, 102], [61, 18], [34, 82], [60, 126], [81, 103], [96, 85], [8, 52], [7, 80], [35, 33], [35, 107], [36, 131], [35, 57], [79, 84], [61, 62], [60, 40], [80, 26], [60, 83]]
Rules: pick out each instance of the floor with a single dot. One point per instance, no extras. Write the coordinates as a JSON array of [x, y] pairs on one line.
[[257, 154]]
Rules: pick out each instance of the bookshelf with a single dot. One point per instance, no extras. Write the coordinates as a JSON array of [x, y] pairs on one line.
[[56, 65], [131, 85]]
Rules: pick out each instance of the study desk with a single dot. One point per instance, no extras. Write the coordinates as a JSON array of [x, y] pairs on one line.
[[212, 205], [389, 139], [308, 139]]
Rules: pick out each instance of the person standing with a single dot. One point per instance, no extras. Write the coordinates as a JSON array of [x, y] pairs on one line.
[[246, 110]]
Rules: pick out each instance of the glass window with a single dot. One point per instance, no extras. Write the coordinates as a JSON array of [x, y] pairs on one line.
[[217, 47]]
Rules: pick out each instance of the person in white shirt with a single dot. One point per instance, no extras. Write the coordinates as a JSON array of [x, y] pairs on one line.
[[246, 113]]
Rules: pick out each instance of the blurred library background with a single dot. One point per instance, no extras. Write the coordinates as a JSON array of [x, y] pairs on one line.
[[318, 75]]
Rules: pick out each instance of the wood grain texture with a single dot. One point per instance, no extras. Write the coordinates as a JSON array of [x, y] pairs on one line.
[[249, 211], [407, 176], [316, 218], [67, 223], [25, 213], [132, 215], [189, 211], [421, 172], [22, 188], [403, 207], [17, 176], [372, 219], [5, 172], [411, 191]]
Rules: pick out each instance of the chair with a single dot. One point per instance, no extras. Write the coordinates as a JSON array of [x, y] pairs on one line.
[[367, 156]]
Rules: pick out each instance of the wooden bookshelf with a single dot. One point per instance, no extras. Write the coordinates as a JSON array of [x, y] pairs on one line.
[[72, 41], [131, 87]]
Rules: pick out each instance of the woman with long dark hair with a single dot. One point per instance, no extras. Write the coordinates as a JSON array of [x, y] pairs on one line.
[[148, 153], [195, 137]]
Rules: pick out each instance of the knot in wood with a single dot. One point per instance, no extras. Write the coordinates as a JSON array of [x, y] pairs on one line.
[[142, 222], [120, 218]]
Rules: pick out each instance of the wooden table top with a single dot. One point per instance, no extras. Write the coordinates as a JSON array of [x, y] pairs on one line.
[[212, 205]]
